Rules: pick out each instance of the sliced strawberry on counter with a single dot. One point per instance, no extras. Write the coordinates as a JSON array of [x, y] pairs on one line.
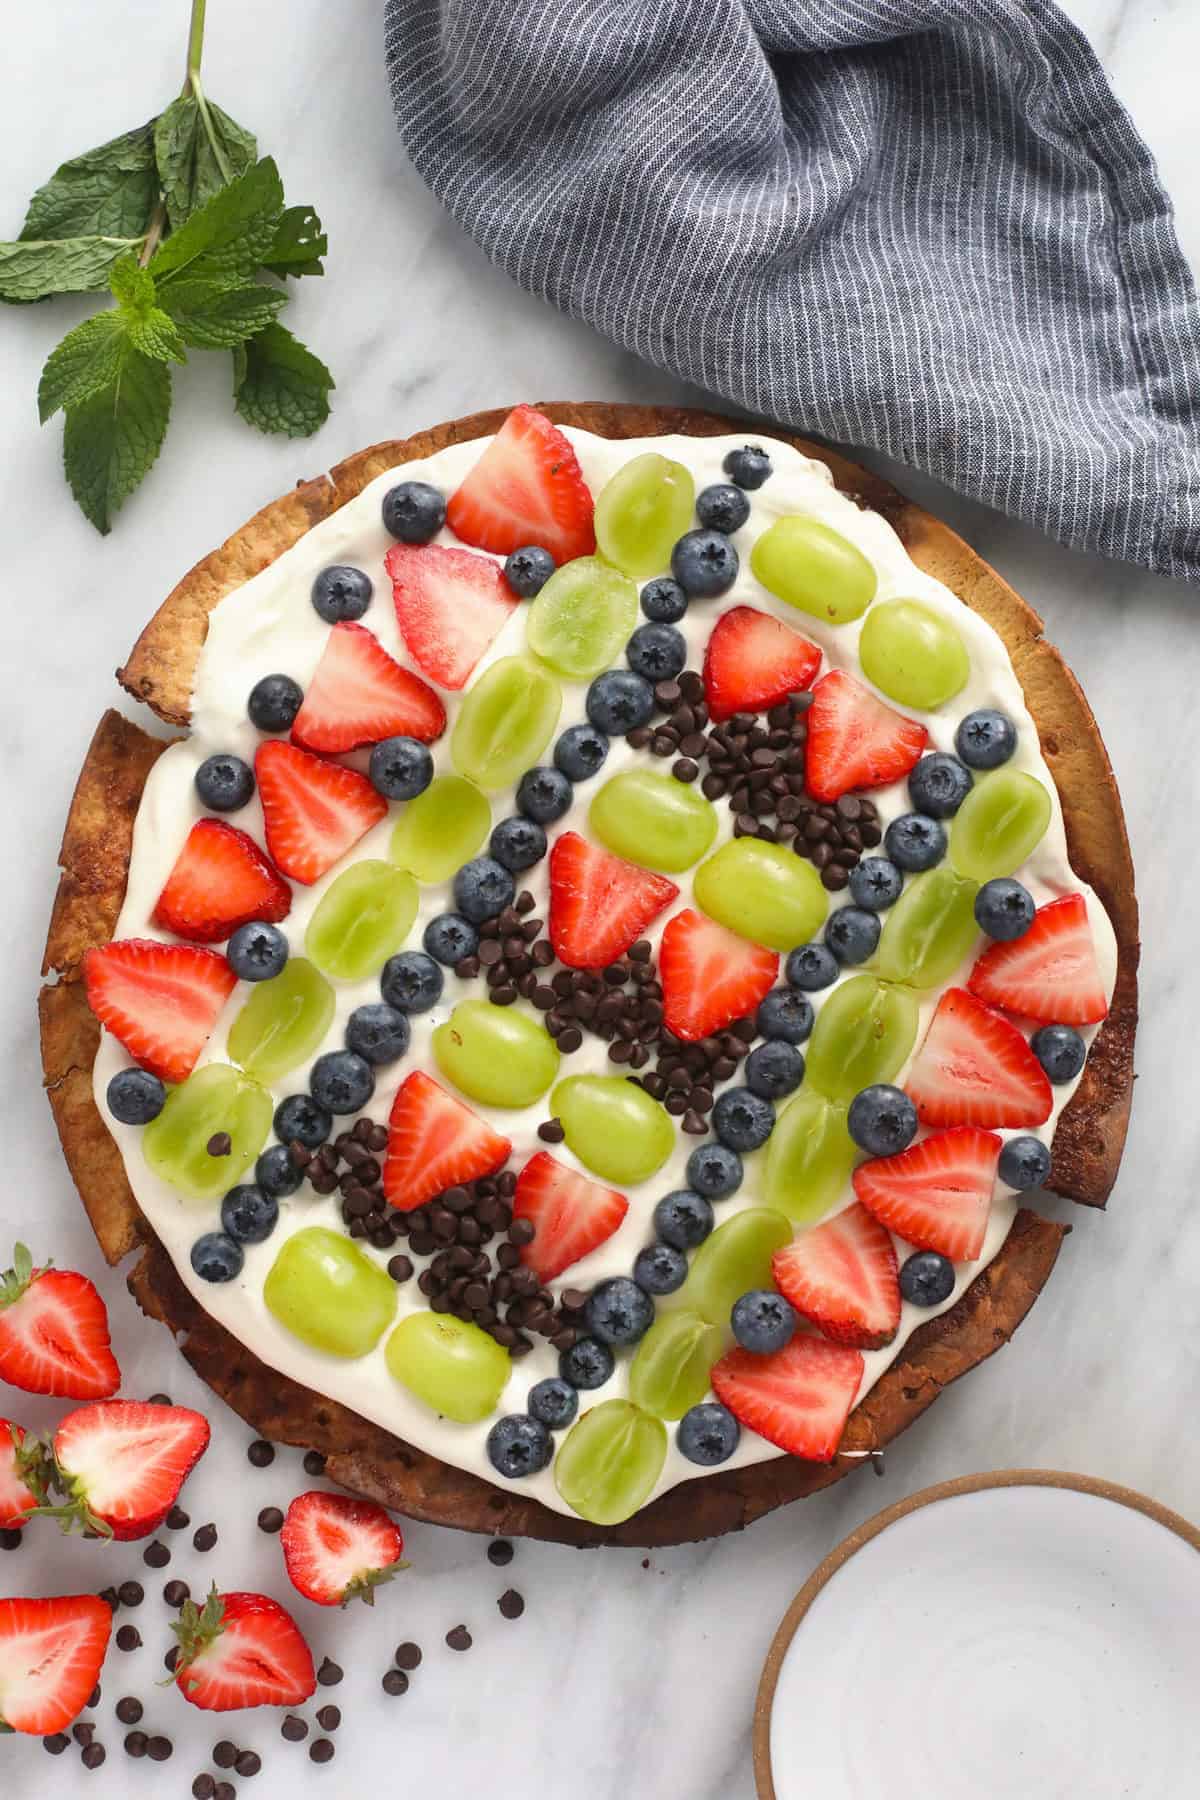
[[241, 1650], [360, 695], [313, 811], [435, 1142], [1051, 974], [571, 1215], [599, 904], [450, 605], [160, 1000], [936, 1195], [17, 1497], [51, 1654], [975, 1068], [123, 1463], [526, 488], [843, 1275], [54, 1333], [854, 740], [753, 662], [798, 1398], [710, 976], [221, 880], [337, 1549]]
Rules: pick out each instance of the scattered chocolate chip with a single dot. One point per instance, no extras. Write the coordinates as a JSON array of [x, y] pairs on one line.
[[459, 1638], [329, 1717], [156, 1555], [10, 1539], [314, 1462], [135, 1743], [129, 1710], [219, 1144], [248, 1763], [408, 1656], [225, 1754], [270, 1519], [261, 1454], [551, 1132], [395, 1682], [176, 1592], [131, 1593], [177, 1519], [204, 1787], [320, 1750], [400, 1268], [160, 1749], [93, 1756], [56, 1743], [499, 1553], [329, 1674], [294, 1729], [205, 1537], [511, 1604], [83, 1732], [225, 1790], [95, 1695], [129, 1638], [171, 1659]]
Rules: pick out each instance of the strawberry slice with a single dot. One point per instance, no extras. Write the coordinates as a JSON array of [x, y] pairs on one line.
[[450, 605], [313, 811], [854, 740], [337, 1549], [798, 1398], [241, 1650], [753, 662], [843, 1275], [221, 880], [975, 1068], [160, 1000], [710, 976], [54, 1333], [123, 1463], [526, 488], [359, 694], [570, 1214], [599, 904], [17, 1498], [435, 1142], [51, 1653], [936, 1195], [1051, 974]]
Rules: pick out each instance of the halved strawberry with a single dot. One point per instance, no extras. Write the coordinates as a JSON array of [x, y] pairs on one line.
[[1051, 974], [599, 904], [798, 1398], [54, 1333], [17, 1497], [359, 695], [160, 1000], [450, 604], [571, 1215], [241, 1650], [435, 1142], [709, 975], [854, 740], [936, 1195], [221, 880], [337, 1549], [975, 1068], [313, 811], [526, 488], [843, 1275], [51, 1653], [753, 662], [123, 1462]]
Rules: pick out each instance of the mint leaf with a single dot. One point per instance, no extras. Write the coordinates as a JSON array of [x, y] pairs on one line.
[[132, 285], [145, 324], [87, 359], [113, 437], [32, 270], [216, 315], [231, 233], [300, 242], [279, 385], [106, 192], [199, 149]]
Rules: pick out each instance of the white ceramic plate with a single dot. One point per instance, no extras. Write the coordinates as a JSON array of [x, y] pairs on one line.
[[1026, 1636]]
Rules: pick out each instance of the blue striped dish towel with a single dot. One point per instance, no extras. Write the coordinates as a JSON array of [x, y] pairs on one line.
[[927, 226]]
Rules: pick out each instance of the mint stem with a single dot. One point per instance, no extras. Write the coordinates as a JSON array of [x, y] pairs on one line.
[[195, 42]]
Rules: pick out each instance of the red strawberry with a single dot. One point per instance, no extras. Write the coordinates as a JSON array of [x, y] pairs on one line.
[[843, 1276], [1051, 973], [123, 1463], [160, 1000], [450, 604], [526, 488], [221, 880], [435, 1142], [753, 662], [599, 905], [54, 1333], [339, 1549], [51, 1653], [935, 1195], [359, 694], [975, 1068], [314, 811], [710, 976], [571, 1215], [854, 740], [798, 1398], [241, 1650], [17, 1497]]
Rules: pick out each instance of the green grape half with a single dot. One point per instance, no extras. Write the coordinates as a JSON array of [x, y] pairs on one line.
[[329, 1293], [999, 824], [653, 820], [361, 918], [930, 930], [213, 1099], [913, 654], [736, 1258], [808, 1158], [581, 618], [614, 1128], [670, 1370], [864, 1033], [283, 1021], [495, 1054], [451, 1364], [609, 1461], [814, 569], [641, 511], [505, 721], [441, 829], [763, 892]]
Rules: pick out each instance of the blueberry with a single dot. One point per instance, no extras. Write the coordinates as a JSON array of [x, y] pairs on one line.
[[664, 601], [722, 508], [379, 1033], [774, 1069], [412, 981], [707, 1434], [852, 933], [785, 1014], [618, 1311], [875, 883], [276, 1173], [749, 466], [135, 1096], [619, 701], [256, 951], [580, 752], [518, 1445], [449, 938], [743, 1120], [588, 1363], [986, 738], [714, 1170], [915, 842], [400, 768], [660, 1269], [274, 702], [683, 1219], [927, 1278], [763, 1321], [1060, 1050], [882, 1119], [1004, 909], [811, 967], [939, 784], [413, 512], [216, 1257], [249, 1215], [299, 1120], [341, 592], [544, 795], [1024, 1163], [224, 782], [704, 563], [658, 652], [518, 843], [553, 1402], [528, 569], [342, 1082], [482, 888]]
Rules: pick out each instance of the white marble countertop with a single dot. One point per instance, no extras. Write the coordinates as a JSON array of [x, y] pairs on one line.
[[626, 1679]]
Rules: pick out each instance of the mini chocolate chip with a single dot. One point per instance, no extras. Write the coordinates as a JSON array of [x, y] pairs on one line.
[[408, 1656], [329, 1718], [156, 1555], [129, 1638], [314, 1462], [176, 1592], [261, 1454], [93, 1755], [56, 1743], [135, 1743], [225, 1790], [400, 1268], [320, 1750], [459, 1638], [160, 1749], [329, 1674], [551, 1132], [511, 1604], [131, 1593], [10, 1539], [171, 1659], [395, 1682], [177, 1519], [248, 1764], [204, 1787], [225, 1754], [205, 1537], [129, 1710], [270, 1520], [294, 1729]]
